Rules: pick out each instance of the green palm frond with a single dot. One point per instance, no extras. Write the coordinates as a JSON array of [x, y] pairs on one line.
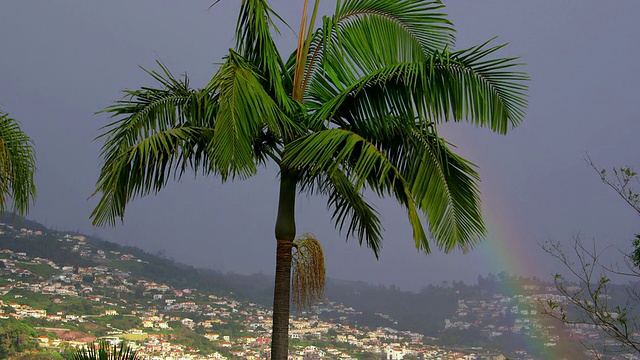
[[506, 88], [370, 34], [254, 42], [146, 167], [17, 166], [225, 129], [363, 165], [159, 133], [444, 187], [155, 109], [351, 213], [245, 112], [442, 183], [461, 85], [363, 36], [104, 351], [414, 166], [423, 19]]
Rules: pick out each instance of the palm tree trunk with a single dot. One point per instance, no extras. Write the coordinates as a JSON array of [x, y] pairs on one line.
[[285, 234]]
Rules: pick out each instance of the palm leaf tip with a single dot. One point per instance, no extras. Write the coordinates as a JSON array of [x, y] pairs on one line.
[[444, 187], [158, 133], [17, 166]]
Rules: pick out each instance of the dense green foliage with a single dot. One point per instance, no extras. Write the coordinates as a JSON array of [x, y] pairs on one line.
[[42, 355], [188, 337], [70, 304], [121, 322], [15, 337]]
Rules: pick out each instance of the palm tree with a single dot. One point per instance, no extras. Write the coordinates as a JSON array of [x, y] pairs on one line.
[[17, 166], [105, 351], [354, 108]]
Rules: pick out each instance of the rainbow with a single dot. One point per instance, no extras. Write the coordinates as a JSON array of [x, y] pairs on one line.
[[505, 250]]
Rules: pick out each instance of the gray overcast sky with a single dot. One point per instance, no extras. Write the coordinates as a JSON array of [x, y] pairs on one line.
[[61, 61]]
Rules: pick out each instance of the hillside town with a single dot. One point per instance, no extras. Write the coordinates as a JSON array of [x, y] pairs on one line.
[[72, 305], [522, 313]]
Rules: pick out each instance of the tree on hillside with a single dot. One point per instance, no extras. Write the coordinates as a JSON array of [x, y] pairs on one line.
[[17, 166], [15, 337], [595, 300], [355, 107]]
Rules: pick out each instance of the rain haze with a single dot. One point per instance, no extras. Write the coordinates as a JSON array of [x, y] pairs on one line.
[[62, 61]]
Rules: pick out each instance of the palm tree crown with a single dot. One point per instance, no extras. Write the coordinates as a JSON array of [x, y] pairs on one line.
[[105, 351], [355, 107]]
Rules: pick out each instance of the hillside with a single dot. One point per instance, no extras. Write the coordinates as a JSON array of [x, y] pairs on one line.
[[406, 307], [68, 283], [70, 288]]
